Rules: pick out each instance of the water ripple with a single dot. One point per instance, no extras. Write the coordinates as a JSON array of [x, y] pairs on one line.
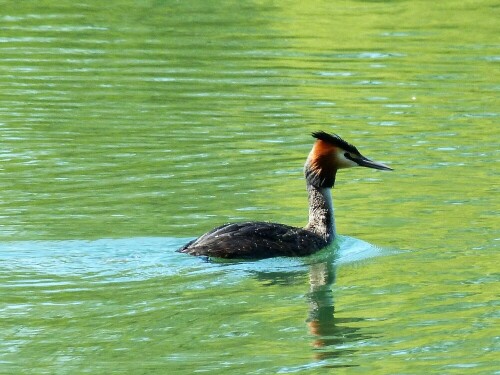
[[118, 260]]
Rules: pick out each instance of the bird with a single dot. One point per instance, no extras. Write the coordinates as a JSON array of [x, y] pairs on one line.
[[259, 240]]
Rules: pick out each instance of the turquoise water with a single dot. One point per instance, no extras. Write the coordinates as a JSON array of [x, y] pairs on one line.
[[130, 128]]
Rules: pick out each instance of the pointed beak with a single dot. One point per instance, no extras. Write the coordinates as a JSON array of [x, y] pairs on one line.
[[365, 162]]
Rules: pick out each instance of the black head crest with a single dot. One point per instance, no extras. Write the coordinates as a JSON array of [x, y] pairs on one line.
[[335, 140]]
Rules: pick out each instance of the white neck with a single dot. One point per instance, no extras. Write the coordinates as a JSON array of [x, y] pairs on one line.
[[321, 219]]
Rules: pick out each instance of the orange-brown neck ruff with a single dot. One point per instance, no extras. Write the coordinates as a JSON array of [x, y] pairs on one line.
[[320, 167]]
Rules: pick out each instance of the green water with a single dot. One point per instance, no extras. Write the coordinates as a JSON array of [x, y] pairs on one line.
[[128, 128]]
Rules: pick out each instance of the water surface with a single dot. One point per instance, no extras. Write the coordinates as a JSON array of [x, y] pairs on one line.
[[129, 128]]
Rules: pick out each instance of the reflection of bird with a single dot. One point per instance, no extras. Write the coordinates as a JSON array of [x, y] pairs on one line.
[[264, 240]]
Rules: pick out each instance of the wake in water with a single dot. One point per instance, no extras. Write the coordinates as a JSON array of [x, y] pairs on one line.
[[143, 258]]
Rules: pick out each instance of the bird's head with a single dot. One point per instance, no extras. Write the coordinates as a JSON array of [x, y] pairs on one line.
[[331, 153]]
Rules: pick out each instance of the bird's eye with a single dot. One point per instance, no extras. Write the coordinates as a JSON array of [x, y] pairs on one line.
[[348, 156]]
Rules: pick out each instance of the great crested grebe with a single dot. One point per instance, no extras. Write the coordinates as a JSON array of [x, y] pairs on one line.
[[265, 240]]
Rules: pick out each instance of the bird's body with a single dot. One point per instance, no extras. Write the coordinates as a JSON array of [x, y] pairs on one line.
[[265, 240], [255, 240]]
